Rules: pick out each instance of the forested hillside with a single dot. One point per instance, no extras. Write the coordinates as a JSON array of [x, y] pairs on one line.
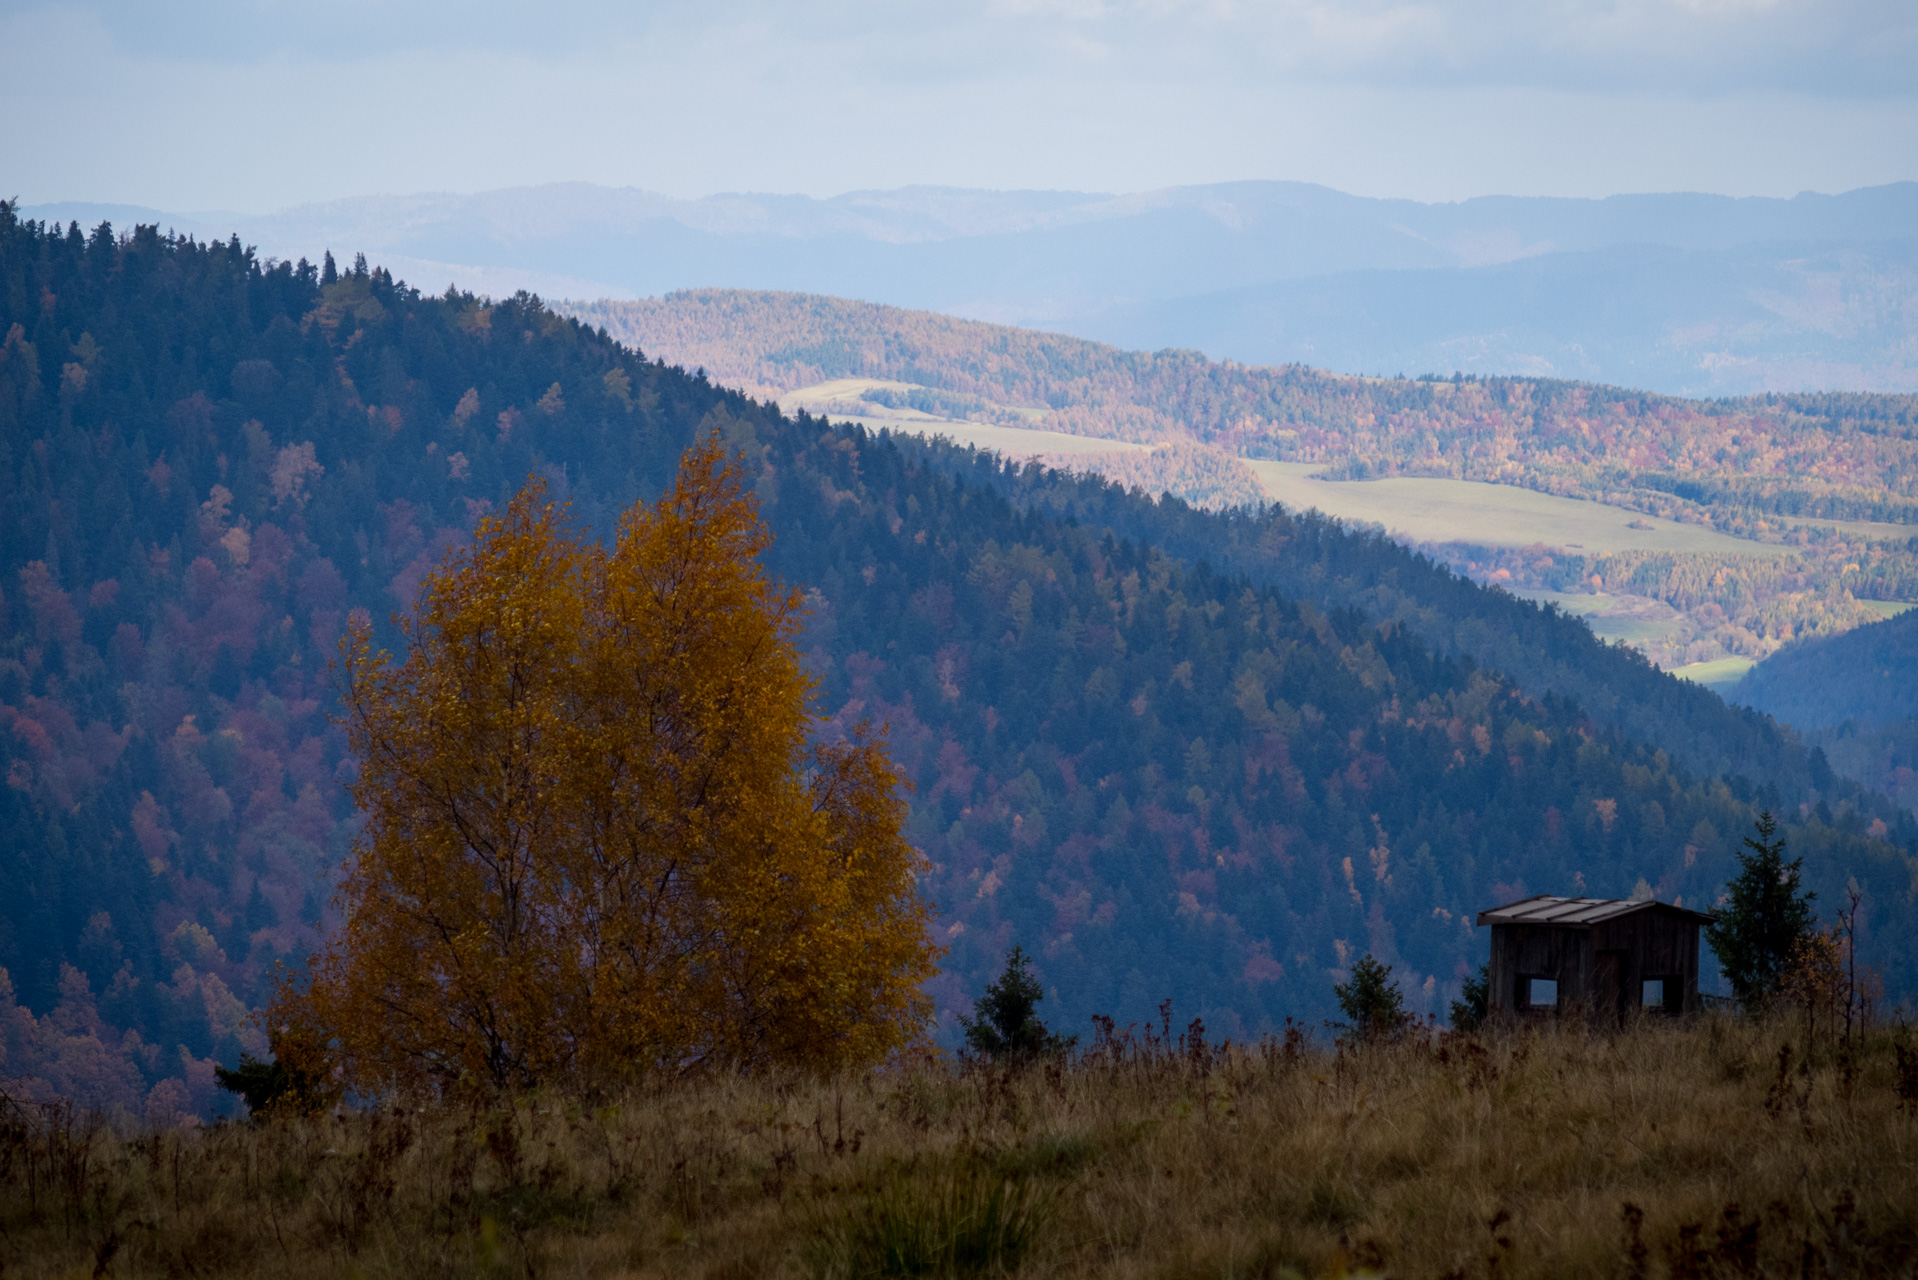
[[1172, 753], [1855, 696], [1870, 674], [1789, 471], [1851, 457]]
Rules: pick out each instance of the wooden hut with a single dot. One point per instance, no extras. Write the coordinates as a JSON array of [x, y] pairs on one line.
[[1599, 957]]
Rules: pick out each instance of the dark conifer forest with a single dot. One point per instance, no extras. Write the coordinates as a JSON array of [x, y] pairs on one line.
[[1211, 757]]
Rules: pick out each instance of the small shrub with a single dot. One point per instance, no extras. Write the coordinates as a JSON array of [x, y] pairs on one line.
[[261, 1084], [1469, 1014]]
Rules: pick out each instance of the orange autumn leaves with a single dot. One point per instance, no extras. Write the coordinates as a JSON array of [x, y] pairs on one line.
[[598, 841]]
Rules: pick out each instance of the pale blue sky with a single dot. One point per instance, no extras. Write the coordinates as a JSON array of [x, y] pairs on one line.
[[253, 105]]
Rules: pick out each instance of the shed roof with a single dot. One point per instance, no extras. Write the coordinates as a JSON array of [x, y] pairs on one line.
[[1578, 913]]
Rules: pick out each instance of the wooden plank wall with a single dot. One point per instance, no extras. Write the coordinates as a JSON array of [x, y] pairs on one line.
[[1619, 954]]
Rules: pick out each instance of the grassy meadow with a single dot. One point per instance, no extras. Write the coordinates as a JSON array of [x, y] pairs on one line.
[[1710, 1148], [1418, 509], [840, 399], [1434, 509], [1719, 673]]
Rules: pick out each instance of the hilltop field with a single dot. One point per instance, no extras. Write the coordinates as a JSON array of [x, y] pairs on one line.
[[1739, 525], [1713, 1148]]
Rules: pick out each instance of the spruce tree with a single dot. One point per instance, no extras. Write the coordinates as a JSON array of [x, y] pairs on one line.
[[1372, 1001], [1007, 1026], [1765, 915]]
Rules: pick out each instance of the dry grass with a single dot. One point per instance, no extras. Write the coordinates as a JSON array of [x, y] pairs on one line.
[[1717, 1148]]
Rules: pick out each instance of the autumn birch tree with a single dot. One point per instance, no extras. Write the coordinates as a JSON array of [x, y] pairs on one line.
[[599, 838]]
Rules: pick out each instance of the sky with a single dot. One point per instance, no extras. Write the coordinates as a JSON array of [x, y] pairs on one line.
[[255, 105]]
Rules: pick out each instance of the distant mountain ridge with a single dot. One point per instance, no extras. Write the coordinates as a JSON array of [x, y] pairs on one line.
[[1771, 317], [1695, 294]]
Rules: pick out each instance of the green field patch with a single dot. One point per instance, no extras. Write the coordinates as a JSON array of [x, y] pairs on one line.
[[1422, 509], [1637, 620], [1888, 608], [842, 400], [1719, 674], [1869, 530]]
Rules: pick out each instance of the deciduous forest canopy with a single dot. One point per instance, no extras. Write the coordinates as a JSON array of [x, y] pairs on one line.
[[1217, 757]]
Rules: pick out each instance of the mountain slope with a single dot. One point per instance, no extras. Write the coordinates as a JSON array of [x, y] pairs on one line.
[[1548, 653], [1854, 696], [1165, 779], [1870, 675]]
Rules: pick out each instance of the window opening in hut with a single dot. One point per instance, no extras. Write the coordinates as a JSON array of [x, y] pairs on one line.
[[1653, 995], [1542, 993]]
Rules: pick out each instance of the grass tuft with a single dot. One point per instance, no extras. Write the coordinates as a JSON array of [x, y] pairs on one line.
[[967, 1218]]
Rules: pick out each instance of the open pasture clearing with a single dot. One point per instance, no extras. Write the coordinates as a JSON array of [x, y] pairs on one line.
[[1709, 1147], [1416, 509], [1633, 619], [1720, 673], [1854, 530], [832, 399], [1420, 509]]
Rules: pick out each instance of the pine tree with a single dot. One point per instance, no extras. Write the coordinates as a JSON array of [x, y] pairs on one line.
[[1766, 914]]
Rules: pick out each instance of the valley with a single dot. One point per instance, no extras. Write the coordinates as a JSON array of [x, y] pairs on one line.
[[1706, 534]]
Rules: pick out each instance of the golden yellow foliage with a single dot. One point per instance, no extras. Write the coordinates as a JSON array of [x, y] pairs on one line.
[[598, 839]]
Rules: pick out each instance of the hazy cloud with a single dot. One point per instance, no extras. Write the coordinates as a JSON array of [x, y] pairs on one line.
[[1838, 47], [257, 103]]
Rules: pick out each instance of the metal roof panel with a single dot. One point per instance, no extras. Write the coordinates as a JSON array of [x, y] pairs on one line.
[[1575, 913]]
